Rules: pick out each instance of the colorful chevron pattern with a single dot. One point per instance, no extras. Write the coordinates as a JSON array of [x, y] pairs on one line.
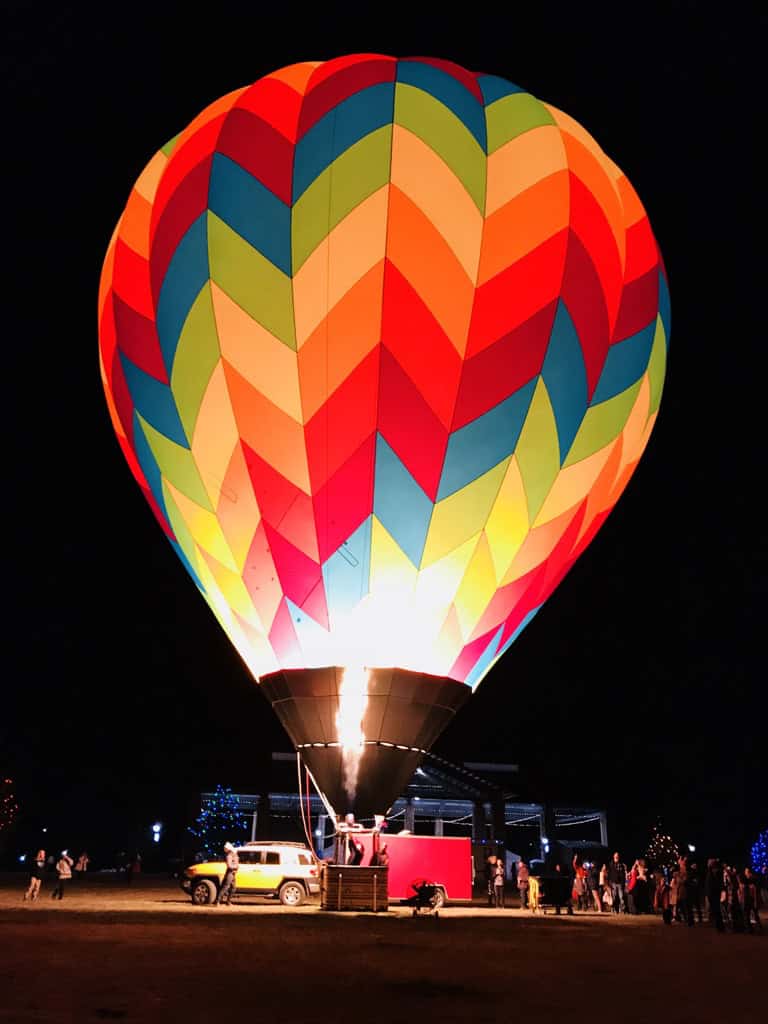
[[382, 341]]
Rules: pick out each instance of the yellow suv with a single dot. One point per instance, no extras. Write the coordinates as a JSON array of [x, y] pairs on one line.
[[285, 870]]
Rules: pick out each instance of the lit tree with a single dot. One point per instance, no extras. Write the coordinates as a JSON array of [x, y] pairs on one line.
[[760, 852], [220, 820], [8, 805], [662, 851]]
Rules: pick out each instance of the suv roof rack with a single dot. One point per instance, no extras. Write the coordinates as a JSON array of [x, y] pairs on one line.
[[269, 842]]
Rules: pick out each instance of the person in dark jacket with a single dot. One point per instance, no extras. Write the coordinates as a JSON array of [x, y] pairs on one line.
[[713, 887], [36, 872], [617, 879], [229, 882]]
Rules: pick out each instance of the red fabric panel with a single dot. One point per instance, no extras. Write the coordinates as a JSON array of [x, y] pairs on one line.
[[642, 251], [183, 208], [469, 655], [282, 637], [639, 305], [498, 371], [130, 279], [409, 426], [276, 103], [339, 427], [137, 339], [298, 574], [582, 294], [420, 345], [337, 80], [591, 226], [260, 149], [504, 601], [514, 295], [187, 155], [316, 605], [346, 500], [121, 396]]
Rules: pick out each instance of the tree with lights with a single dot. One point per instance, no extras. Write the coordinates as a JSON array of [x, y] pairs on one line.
[[220, 820], [8, 806], [662, 851], [760, 852]]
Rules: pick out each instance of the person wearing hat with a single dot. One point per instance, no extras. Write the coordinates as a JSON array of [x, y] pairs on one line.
[[64, 873], [228, 882]]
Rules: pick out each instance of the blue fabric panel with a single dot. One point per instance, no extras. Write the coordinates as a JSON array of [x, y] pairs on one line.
[[343, 126], [484, 442], [346, 574], [399, 503], [250, 209], [449, 91], [484, 660], [625, 364], [154, 402], [493, 88], [185, 276], [665, 310], [565, 378]]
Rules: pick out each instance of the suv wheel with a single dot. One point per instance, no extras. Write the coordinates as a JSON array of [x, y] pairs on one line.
[[203, 892], [439, 898], [291, 894]]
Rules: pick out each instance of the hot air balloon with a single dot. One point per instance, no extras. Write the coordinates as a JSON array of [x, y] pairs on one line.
[[382, 341]]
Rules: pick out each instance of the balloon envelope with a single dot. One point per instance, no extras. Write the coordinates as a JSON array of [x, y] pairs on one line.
[[382, 341]]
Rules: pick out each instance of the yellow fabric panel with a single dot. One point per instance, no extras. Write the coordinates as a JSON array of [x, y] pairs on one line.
[[572, 485], [257, 355], [599, 498], [438, 583], [391, 568], [432, 186], [270, 432], [537, 450], [522, 162], [215, 437], [355, 245], [237, 510], [537, 547], [176, 464], [341, 341], [203, 527], [448, 644], [634, 429], [231, 587], [477, 588], [507, 524], [462, 515]]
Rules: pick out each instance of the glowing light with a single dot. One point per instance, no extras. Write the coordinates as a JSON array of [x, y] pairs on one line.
[[353, 700], [156, 828], [691, 847]]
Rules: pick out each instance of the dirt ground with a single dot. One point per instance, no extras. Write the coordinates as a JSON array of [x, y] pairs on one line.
[[145, 954]]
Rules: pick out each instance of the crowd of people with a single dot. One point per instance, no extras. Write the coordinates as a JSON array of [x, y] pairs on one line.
[[728, 898]]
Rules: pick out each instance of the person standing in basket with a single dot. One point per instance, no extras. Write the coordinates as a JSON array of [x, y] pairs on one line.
[[229, 882], [64, 874]]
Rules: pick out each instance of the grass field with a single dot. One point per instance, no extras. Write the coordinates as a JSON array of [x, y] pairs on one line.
[[145, 954]]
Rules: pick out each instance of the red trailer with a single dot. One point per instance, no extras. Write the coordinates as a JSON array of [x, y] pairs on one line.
[[444, 860]]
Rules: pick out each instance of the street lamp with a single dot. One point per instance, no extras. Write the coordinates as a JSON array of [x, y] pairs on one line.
[[156, 830]]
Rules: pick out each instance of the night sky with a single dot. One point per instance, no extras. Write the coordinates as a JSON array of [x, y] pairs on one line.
[[640, 686]]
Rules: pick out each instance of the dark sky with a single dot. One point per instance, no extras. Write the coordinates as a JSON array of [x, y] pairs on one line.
[[641, 684]]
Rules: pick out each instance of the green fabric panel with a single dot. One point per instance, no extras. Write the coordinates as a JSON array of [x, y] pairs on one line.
[[538, 450], [169, 147], [351, 178], [179, 527], [657, 366], [602, 424], [176, 465], [443, 132], [197, 355], [511, 116], [250, 280]]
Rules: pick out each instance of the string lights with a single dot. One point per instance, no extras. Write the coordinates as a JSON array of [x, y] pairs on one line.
[[760, 852], [8, 806], [220, 820], [663, 851]]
